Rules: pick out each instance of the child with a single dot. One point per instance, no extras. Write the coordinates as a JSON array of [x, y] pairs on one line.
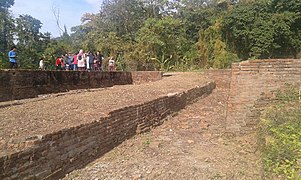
[[111, 64]]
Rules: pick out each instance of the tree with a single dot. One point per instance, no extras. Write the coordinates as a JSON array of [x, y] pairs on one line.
[[212, 49], [6, 25], [284, 5], [123, 17], [55, 48], [6, 4], [161, 40], [30, 42], [6, 30], [260, 30]]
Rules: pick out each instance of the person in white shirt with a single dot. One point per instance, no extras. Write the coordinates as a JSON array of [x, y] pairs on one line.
[[81, 60], [111, 64], [41, 64], [87, 61], [81, 64]]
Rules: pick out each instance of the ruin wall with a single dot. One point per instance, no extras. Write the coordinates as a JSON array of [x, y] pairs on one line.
[[54, 155], [250, 80], [23, 84]]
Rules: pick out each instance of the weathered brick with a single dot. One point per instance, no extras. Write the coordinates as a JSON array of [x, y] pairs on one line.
[[60, 152], [251, 78], [21, 84]]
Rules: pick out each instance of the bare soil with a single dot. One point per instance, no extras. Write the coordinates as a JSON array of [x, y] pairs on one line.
[[27, 119], [191, 145]]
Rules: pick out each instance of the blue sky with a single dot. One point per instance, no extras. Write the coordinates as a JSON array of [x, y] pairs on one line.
[[70, 12]]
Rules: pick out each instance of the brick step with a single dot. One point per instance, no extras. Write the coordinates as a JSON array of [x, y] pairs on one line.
[[250, 72], [271, 60], [268, 63], [261, 62], [282, 66]]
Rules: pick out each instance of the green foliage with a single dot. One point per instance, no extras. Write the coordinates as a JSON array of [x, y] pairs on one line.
[[31, 43], [161, 41], [284, 5], [280, 133], [6, 28], [5, 4], [3, 61], [166, 35], [151, 35], [212, 50], [261, 30], [53, 50], [23, 31]]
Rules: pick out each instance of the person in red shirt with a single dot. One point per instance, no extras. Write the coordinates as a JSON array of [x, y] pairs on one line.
[[75, 67], [58, 63]]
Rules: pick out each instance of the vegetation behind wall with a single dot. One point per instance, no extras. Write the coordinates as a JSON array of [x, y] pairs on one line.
[[164, 35]]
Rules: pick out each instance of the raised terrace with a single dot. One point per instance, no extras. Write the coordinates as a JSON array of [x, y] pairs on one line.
[[48, 137], [198, 117]]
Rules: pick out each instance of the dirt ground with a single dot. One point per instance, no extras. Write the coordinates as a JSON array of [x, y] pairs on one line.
[[51, 113], [190, 145]]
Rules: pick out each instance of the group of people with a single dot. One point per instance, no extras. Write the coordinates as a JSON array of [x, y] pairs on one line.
[[82, 61], [79, 61]]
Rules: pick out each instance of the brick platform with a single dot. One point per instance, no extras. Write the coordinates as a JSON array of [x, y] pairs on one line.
[[37, 144]]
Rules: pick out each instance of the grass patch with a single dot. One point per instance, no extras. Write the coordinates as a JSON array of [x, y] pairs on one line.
[[280, 135]]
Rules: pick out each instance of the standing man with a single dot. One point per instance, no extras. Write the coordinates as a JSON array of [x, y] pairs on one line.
[[70, 61], [91, 61], [99, 60], [12, 55], [75, 62]]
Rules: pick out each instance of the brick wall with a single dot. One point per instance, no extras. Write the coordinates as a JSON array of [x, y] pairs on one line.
[[54, 155], [146, 76], [222, 78], [22, 84], [249, 80]]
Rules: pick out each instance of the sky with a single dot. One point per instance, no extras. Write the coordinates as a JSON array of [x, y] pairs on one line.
[[70, 12]]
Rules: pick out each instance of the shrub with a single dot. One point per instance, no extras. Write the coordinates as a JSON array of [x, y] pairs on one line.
[[280, 135]]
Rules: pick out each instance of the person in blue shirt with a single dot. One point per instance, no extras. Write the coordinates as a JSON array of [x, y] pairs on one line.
[[12, 55]]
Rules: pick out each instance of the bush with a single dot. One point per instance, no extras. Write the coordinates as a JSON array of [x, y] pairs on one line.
[[280, 136]]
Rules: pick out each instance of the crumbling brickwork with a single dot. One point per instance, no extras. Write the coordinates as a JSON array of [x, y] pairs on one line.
[[249, 80], [53, 155]]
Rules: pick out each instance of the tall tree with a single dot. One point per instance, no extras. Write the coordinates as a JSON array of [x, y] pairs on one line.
[[123, 17], [30, 42], [161, 41], [6, 4], [6, 25], [6, 30], [260, 30]]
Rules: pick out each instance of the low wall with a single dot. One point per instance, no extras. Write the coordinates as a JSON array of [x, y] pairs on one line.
[[22, 84], [249, 79], [146, 76], [54, 155]]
